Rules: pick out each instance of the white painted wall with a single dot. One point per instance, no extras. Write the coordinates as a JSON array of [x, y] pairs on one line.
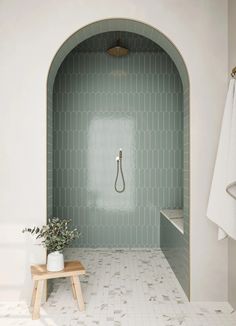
[[232, 63], [31, 31]]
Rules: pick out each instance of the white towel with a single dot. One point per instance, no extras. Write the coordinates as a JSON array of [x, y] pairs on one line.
[[222, 204]]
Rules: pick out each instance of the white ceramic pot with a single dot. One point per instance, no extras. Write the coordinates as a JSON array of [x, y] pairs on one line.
[[55, 262]]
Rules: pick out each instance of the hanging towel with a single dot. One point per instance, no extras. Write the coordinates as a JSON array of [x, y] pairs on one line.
[[222, 200]]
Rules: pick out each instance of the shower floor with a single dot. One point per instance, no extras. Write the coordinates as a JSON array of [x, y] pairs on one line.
[[122, 288]]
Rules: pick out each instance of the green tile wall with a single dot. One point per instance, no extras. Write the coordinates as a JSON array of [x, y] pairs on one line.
[[186, 199], [49, 152], [174, 244], [100, 104]]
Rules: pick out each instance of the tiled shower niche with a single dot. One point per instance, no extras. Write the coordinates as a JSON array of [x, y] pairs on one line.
[[100, 104]]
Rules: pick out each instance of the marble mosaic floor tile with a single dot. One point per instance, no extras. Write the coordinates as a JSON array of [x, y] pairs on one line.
[[121, 288]]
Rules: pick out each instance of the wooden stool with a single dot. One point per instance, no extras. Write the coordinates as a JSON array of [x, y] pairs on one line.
[[39, 273]]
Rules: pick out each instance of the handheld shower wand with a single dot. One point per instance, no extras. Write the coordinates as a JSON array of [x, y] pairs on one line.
[[119, 168]]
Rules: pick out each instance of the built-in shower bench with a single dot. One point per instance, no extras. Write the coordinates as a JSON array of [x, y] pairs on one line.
[[175, 216], [173, 242]]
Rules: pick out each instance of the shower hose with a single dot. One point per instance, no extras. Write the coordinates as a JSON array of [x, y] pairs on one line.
[[119, 168]]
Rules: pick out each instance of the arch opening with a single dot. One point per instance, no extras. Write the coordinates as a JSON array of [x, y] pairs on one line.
[[177, 253]]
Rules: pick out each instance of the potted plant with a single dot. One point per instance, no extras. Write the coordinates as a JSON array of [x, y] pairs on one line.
[[55, 237]]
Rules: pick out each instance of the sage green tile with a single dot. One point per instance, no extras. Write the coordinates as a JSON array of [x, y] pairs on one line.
[[93, 91]]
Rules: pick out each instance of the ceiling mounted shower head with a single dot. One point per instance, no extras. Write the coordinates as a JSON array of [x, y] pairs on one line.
[[118, 50]]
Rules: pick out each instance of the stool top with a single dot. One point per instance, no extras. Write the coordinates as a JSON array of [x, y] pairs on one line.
[[40, 272]]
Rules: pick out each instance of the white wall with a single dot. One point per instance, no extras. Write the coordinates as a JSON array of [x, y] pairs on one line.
[[31, 31], [232, 63]]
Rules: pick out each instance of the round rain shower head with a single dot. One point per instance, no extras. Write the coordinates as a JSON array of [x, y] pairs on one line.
[[118, 50]]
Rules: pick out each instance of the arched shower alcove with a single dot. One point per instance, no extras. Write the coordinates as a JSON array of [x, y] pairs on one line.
[[175, 244]]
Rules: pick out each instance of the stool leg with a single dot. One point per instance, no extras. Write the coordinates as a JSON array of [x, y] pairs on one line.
[[34, 293], [37, 301], [78, 292], [73, 287]]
